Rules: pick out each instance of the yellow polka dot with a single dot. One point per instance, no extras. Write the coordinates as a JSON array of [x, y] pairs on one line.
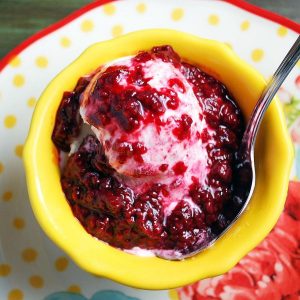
[[74, 288], [41, 62], [31, 102], [29, 255], [5, 270], [245, 25], [257, 55], [141, 8], [1, 167], [109, 9], [173, 295], [19, 223], [297, 64], [65, 42], [213, 20], [18, 80], [61, 264], [36, 281], [15, 62], [7, 196], [19, 150], [177, 14], [117, 30], [15, 294], [10, 121], [87, 26], [282, 31]]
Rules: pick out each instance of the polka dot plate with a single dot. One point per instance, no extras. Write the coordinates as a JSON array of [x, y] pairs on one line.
[[31, 266]]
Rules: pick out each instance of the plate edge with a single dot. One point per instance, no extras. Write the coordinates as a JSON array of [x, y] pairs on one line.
[[266, 14]]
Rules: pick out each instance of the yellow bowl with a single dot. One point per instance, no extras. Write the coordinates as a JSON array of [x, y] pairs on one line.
[[273, 161]]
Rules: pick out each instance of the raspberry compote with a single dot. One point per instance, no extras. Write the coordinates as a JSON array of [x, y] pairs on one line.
[[156, 173]]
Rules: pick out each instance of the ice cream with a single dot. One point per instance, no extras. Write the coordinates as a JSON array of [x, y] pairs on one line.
[[164, 146]]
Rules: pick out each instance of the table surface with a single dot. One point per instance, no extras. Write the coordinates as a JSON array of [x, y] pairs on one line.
[[20, 19]]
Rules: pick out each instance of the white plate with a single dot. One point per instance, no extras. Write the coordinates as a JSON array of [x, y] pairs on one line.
[[31, 266]]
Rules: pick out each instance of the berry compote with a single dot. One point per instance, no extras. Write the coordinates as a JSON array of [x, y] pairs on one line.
[[156, 173]]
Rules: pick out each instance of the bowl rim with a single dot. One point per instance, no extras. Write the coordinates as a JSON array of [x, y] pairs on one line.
[[104, 268]]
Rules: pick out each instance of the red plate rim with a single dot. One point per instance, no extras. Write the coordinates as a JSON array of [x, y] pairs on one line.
[[40, 34]]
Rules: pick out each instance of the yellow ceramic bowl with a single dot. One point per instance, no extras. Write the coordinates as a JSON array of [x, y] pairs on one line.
[[273, 161]]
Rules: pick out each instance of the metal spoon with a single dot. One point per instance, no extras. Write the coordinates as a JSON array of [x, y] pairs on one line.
[[246, 151], [245, 157]]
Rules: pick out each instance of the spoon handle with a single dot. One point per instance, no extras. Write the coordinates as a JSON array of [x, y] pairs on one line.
[[268, 94]]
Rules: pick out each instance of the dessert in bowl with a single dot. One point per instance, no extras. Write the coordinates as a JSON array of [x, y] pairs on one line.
[[151, 143], [152, 169]]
